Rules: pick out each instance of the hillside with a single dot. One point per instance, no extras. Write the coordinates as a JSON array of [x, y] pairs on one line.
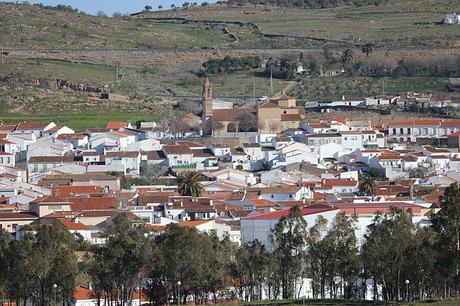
[[84, 49], [398, 24], [26, 26]]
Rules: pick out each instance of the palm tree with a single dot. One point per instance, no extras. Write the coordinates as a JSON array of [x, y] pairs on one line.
[[347, 56], [368, 187], [368, 48], [190, 185]]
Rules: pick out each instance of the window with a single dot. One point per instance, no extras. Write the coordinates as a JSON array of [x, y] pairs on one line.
[[272, 196], [401, 131], [394, 131]]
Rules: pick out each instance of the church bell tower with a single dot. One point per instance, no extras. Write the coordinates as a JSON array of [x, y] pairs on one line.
[[207, 99]]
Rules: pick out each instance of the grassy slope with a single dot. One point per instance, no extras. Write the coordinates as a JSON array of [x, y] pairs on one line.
[[393, 24], [390, 24], [26, 26], [55, 69]]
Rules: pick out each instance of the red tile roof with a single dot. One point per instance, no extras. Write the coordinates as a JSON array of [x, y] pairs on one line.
[[73, 226], [192, 224], [91, 203], [155, 228], [117, 125], [291, 117], [276, 215], [71, 136], [340, 182], [52, 159], [65, 191], [16, 216], [123, 154], [82, 294], [32, 125], [177, 149]]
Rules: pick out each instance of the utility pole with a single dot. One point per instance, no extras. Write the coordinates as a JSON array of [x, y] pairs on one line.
[[254, 89], [271, 81], [383, 86]]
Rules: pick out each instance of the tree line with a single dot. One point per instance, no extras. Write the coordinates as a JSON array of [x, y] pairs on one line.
[[230, 64], [404, 261], [314, 4]]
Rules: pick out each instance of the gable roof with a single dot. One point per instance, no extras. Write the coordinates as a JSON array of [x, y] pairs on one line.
[[117, 125], [53, 159], [177, 149], [192, 224], [73, 226], [32, 125]]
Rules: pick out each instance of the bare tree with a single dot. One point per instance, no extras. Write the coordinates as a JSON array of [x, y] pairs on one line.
[[247, 122]]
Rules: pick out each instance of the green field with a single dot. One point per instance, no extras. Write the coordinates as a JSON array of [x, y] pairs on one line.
[[80, 122]]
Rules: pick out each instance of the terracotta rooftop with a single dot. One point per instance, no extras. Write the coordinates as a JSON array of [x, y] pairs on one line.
[[291, 117], [116, 125], [32, 125], [73, 226], [176, 149], [53, 159]]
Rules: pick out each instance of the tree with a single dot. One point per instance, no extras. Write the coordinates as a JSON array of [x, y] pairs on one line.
[[160, 7], [386, 251], [211, 126], [101, 14], [368, 187], [173, 6], [367, 48], [185, 256], [190, 184], [446, 223], [247, 122], [116, 266], [346, 57], [147, 8], [5, 240], [252, 258], [47, 258], [290, 239]]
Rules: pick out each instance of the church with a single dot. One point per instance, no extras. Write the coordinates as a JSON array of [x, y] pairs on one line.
[[271, 117]]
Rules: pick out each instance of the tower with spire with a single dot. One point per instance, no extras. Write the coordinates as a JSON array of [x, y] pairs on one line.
[[207, 99]]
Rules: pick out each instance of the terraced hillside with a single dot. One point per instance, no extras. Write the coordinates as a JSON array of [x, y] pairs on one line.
[[398, 24]]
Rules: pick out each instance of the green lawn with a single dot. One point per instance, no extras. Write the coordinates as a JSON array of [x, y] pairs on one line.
[[79, 122]]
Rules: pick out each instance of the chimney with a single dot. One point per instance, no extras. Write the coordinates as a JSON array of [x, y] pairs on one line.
[[343, 97], [90, 286]]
